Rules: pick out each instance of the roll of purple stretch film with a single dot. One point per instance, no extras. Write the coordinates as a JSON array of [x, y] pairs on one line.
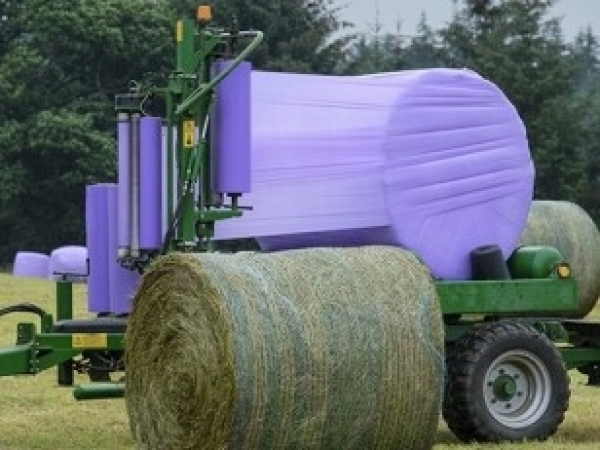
[[96, 218], [232, 143], [122, 282], [124, 181], [150, 183], [110, 286]]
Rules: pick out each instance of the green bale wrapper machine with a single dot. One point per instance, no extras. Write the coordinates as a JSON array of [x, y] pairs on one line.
[[508, 348]]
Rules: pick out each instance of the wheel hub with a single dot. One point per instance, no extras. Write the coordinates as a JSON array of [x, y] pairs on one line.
[[517, 389], [506, 389]]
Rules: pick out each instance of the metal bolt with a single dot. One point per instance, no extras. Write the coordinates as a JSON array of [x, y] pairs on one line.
[[519, 394], [493, 400], [508, 405], [501, 371]]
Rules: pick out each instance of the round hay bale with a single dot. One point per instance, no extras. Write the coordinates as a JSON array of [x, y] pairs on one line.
[[69, 263], [568, 228], [306, 349], [31, 265]]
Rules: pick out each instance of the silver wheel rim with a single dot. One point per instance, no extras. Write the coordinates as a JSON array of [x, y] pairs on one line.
[[517, 388]]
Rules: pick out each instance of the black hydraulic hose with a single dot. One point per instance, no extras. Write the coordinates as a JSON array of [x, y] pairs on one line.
[[23, 308]]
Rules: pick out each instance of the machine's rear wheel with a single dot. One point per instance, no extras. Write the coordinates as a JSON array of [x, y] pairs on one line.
[[505, 382]]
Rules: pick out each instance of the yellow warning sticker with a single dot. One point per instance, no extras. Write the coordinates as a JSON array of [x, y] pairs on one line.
[[189, 131], [89, 340], [179, 31]]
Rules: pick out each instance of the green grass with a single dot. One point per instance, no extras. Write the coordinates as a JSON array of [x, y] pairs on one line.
[[35, 414]]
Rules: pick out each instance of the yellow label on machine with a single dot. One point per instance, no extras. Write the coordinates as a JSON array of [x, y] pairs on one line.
[[189, 131], [179, 31], [89, 340]]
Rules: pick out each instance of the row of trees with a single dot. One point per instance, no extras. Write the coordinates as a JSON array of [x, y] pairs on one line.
[[62, 62]]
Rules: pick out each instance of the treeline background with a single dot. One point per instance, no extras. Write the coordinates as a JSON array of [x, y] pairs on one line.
[[62, 62]]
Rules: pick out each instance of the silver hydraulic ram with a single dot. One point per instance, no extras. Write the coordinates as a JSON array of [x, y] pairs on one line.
[[134, 207], [128, 184], [124, 190]]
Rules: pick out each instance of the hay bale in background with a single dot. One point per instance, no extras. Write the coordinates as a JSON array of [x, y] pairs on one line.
[[306, 349], [31, 265], [568, 228]]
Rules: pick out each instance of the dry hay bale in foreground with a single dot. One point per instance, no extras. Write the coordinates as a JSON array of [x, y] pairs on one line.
[[304, 349], [568, 228]]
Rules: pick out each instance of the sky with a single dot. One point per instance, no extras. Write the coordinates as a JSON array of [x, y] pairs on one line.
[[576, 14]]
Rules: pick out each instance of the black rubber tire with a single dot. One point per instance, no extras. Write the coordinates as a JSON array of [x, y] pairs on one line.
[[505, 381]]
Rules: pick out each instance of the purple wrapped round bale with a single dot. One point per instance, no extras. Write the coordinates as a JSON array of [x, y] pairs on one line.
[[69, 262], [435, 161], [31, 265]]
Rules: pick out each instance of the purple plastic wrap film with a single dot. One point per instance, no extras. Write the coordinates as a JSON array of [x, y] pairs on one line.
[[164, 182], [231, 161], [69, 262], [124, 182], [434, 160], [96, 219], [150, 183], [122, 281], [462, 180], [316, 158], [31, 265]]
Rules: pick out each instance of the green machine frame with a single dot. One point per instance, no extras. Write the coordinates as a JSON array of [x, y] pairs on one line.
[[464, 304], [95, 346]]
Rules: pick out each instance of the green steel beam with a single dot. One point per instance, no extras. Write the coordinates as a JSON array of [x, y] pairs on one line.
[[15, 360], [98, 391], [189, 97], [64, 300], [64, 311], [580, 356], [508, 297], [47, 350], [453, 332], [184, 36], [80, 341], [205, 89]]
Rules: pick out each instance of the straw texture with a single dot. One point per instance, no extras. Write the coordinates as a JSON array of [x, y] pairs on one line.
[[568, 228], [305, 349]]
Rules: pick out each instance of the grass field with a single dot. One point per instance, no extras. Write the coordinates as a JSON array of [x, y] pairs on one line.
[[35, 414]]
